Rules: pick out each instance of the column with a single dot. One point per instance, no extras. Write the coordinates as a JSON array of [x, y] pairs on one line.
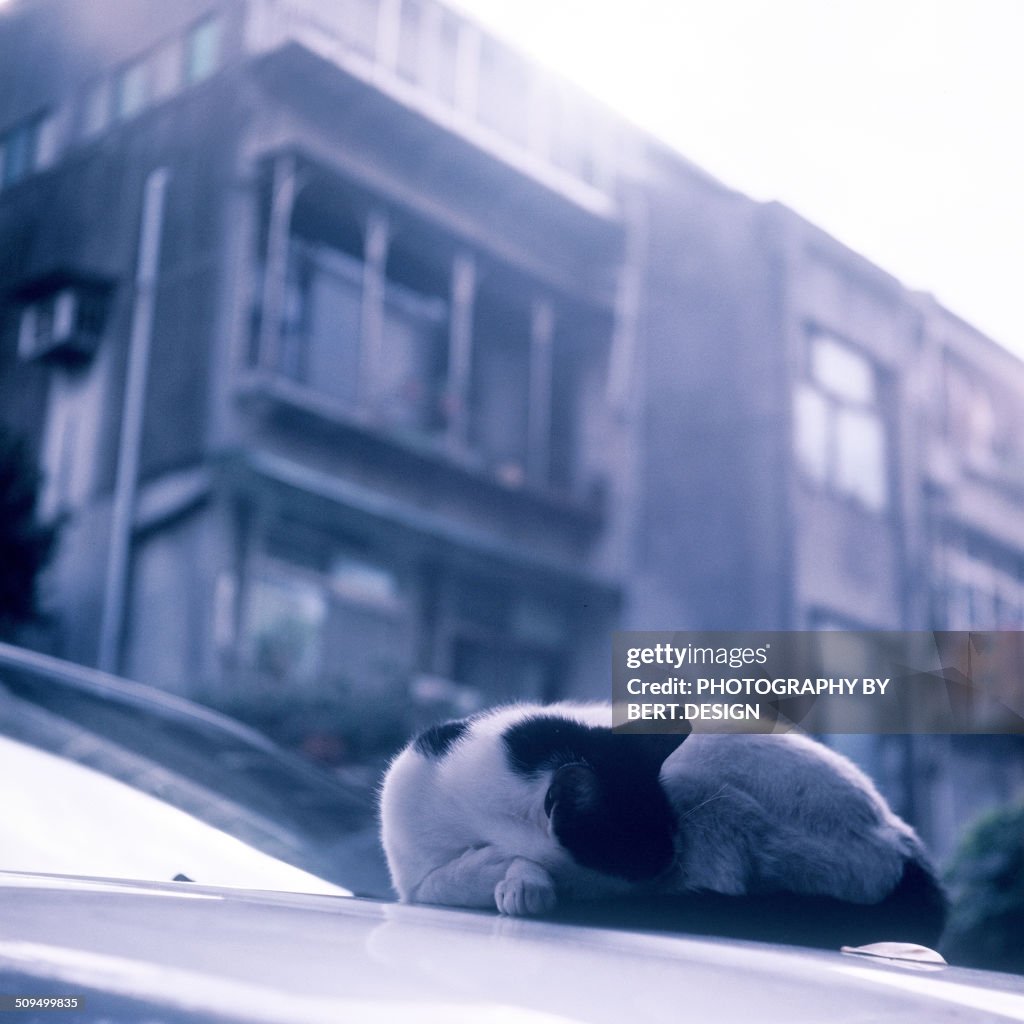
[[460, 349], [375, 258], [542, 331], [389, 28], [275, 271]]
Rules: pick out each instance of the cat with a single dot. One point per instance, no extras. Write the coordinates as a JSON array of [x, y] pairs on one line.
[[542, 810]]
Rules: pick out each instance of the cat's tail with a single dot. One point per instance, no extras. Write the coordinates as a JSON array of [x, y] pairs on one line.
[[914, 912]]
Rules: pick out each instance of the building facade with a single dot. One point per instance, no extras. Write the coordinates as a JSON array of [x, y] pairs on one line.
[[376, 373]]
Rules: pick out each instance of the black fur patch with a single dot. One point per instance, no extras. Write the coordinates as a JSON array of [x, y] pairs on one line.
[[540, 743], [606, 805], [436, 741], [914, 911]]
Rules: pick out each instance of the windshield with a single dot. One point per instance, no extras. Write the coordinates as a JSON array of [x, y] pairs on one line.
[[62, 818]]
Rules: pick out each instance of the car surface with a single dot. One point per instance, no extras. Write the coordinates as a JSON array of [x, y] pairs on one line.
[[178, 952], [113, 791]]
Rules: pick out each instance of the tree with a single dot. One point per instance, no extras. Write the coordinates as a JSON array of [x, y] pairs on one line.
[[987, 882], [25, 544]]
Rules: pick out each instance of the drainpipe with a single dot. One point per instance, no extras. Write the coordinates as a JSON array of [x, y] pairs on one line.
[[126, 482]]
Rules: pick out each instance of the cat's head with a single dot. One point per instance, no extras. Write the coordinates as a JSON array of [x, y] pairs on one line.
[[603, 801]]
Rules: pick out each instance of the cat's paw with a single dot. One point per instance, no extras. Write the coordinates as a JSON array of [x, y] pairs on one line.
[[526, 889]]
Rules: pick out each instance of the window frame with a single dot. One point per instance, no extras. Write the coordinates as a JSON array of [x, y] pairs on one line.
[[838, 475]]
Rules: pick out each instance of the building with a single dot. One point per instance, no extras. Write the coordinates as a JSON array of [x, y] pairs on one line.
[[377, 373]]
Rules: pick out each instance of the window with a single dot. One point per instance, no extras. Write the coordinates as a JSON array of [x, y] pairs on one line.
[[47, 142], [500, 387], [322, 612], [46, 323], [504, 89], [411, 374], [572, 130], [505, 643], [96, 108], [321, 319], [202, 50], [131, 90], [65, 321], [361, 25], [411, 48], [70, 449], [19, 151], [980, 589], [28, 147], [840, 437], [979, 420], [165, 69], [287, 614], [446, 59]]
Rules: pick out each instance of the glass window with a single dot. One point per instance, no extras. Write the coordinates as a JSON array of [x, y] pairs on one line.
[[131, 90], [96, 108], [47, 141], [410, 41], [365, 582], [287, 613], [166, 69], [64, 306], [811, 423], [325, 616], [500, 386], [321, 320], [29, 330], [446, 60], [504, 88], [841, 371], [839, 432], [36, 332], [69, 315], [414, 346], [979, 421], [573, 130], [19, 148], [860, 457], [202, 50], [362, 25]]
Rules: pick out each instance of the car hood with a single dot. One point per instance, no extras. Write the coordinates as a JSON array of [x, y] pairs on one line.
[[206, 952]]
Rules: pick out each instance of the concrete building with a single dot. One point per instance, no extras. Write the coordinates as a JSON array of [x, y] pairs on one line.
[[376, 372]]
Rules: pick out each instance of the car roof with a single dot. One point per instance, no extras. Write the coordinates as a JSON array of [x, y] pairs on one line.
[[257, 956]]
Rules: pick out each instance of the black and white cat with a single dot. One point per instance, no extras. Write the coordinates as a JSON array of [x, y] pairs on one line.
[[529, 808]]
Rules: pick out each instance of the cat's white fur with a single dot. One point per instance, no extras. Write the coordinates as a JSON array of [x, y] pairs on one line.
[[466, 831], [756, 814]]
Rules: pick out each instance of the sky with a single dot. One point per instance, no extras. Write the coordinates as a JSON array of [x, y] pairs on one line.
[[896, 125]]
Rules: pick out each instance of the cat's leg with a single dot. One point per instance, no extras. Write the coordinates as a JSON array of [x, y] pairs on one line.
[[526, 889], [486, 877]]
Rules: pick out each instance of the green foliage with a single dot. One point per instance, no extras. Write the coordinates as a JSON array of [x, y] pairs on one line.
[[986, 878], [24, 543]]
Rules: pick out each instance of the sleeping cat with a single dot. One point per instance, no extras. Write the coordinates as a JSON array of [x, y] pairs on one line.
[[530, 808]]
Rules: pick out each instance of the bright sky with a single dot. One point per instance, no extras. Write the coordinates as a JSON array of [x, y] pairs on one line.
[[896, 125]]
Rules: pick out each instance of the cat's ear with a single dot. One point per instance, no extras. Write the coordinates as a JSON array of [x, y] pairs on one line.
[[653, 750]]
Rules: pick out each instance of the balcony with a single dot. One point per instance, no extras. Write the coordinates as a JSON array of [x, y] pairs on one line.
[[446, 68], [400, 348]]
